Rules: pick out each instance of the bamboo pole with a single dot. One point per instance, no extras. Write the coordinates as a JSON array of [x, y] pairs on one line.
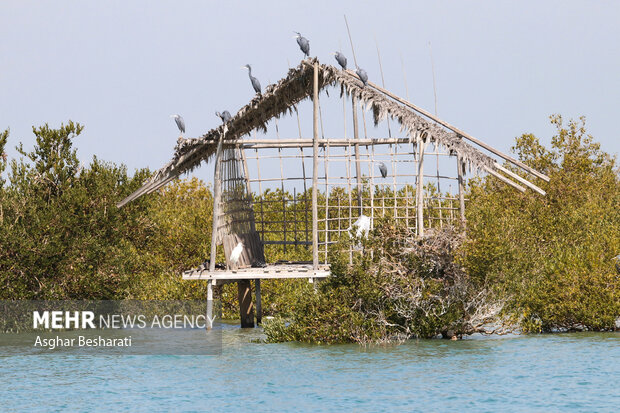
[[303, 171], [217, 194], [518, 178], [350, 197], [460, 168], [420, 188], [315, 171], [209, 304], [382, 82], [282, 186], [504, 179], [326, 166], [358, 169], [438, 185], [371, 166], [295, 214], [303, 166]]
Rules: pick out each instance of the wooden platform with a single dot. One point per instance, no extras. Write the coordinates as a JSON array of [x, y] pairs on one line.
[[270, 272]]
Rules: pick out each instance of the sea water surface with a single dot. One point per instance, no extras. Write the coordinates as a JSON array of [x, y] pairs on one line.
[[559, 372]]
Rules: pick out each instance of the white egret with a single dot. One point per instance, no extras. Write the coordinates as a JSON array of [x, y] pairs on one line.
[[236, 254], [363, 226]]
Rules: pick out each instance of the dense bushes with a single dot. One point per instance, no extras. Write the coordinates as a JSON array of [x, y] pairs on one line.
[[398, 287], [551, 257], [529, 262], [545, 262], [61, 234]]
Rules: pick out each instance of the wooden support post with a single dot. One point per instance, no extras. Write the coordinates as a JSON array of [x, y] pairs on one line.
[[358, 169], [420, 188], [259, 308], [246, 309], [315, 172], [460, 168], [209, 305], [217, 195]]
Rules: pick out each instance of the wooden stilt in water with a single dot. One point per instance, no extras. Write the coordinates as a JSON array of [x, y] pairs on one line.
[[217, 194], [246, 309], [210, 305], [259, 308]]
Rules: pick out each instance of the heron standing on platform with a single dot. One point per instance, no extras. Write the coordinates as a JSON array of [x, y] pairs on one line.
[[180, 122], [255, 82], [303, 43]]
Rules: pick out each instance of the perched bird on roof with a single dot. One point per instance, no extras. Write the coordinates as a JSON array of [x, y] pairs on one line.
[[180, 122], [342, 61], [303, 43], [383, 169], [362, 75], [236, 254], [255, 82], [225, 116]]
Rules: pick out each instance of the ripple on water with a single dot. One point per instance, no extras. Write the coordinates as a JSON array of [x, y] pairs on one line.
[[545, 372]]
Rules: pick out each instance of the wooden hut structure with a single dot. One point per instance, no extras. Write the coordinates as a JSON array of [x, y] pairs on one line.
[[334, 180]]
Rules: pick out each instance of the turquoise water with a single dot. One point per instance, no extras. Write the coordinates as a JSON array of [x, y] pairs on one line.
[[561, 372]]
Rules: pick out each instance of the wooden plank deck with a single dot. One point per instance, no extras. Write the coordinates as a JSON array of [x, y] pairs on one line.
[[272, 271]]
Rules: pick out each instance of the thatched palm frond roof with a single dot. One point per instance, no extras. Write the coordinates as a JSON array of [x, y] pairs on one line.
[[282, 97]]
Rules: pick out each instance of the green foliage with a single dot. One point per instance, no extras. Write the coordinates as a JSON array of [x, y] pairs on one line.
[[547, 259], [550, 256], [398, 287], [61, 234], [4, 136]]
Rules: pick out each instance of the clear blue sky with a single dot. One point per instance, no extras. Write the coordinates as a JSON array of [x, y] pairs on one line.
[[122, 67]]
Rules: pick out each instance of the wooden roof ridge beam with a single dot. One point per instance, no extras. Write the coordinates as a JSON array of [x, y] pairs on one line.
[[456, 130]]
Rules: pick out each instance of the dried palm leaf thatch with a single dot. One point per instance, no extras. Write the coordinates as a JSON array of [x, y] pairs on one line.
[[280, 98]]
